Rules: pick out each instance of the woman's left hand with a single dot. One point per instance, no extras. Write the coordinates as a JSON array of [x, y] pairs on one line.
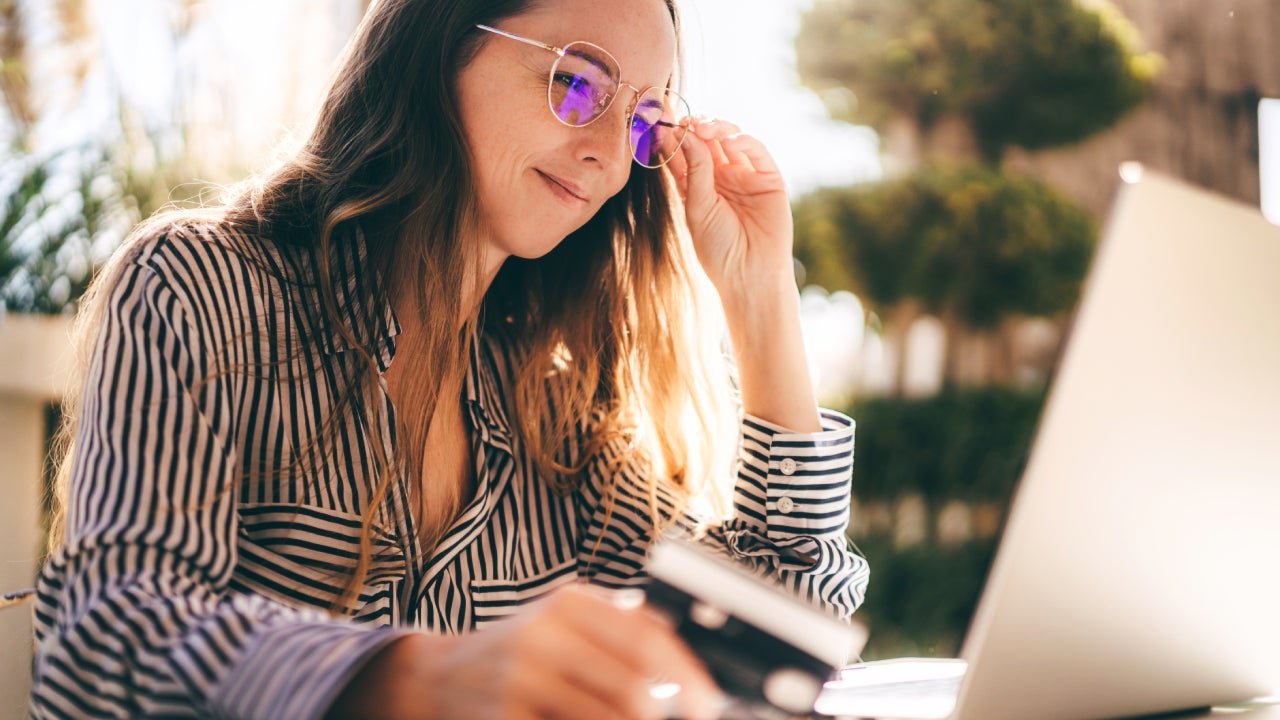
[[737, 208]]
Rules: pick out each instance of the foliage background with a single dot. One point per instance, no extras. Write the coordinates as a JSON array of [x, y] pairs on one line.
[[1032, 74], [952, 86]]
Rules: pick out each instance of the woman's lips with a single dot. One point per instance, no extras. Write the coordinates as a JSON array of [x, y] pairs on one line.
[[563, 189]]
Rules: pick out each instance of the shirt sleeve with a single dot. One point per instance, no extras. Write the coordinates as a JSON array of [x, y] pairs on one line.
[[790, 511], [134, 613]]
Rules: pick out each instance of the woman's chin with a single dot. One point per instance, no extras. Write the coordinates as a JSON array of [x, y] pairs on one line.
[[534, 250]]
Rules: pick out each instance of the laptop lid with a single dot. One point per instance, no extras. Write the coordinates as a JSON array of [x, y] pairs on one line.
[[1138, 572]]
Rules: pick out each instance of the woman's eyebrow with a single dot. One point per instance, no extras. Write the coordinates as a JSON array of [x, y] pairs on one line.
[[591, 58], [600, 64]]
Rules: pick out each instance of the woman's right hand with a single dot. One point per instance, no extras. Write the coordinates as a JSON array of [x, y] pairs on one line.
[[578, 653]]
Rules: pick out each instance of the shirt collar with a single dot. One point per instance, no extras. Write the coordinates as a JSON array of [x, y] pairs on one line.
[[483, 391]]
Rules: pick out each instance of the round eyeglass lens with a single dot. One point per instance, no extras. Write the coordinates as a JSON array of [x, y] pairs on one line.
[[583, 84], [658, 126]]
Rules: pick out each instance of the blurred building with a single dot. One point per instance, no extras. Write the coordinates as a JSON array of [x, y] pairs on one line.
[[1201, 123]]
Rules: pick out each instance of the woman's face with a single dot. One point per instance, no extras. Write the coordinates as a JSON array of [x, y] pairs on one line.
[[538, 179]]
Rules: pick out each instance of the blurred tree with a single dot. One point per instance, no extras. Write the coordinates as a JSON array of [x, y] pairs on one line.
[[13, 69], [62, 216], [971, 245], [1201, 121], [952, 86], [69, 201], [1031, 74]]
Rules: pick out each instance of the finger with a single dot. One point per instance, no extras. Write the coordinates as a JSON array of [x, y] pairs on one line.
[[732, 156], [595, 638], [712, 131], [752, 149], [558, 672], [717, 151], [599, 669], [551, 695], [604, 677], [678, 166], [627, 598], [642, 638], [699, 696], [701, 179], [647, 641], [739, 159], [596, 615], [715, 129]]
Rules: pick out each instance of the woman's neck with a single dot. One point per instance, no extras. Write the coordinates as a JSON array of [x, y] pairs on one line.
[[405, 291]]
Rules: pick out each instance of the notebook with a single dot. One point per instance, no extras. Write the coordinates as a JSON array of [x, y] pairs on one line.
[[1139, 571]]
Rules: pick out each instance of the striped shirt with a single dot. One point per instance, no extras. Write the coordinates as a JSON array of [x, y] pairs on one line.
[[191, 584]]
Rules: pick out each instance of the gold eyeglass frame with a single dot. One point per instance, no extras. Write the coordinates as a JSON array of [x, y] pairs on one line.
[[602, 109]]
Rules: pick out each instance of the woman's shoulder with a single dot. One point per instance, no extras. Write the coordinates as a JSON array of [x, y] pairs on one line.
[[206, 251], [195, 248], [205, 264]]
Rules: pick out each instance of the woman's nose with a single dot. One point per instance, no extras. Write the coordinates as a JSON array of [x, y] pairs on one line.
[[607, 140]]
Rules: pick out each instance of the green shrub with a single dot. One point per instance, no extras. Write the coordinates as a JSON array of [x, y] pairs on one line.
[[961, 444], [920, 599], [969, 242], [967, 444]]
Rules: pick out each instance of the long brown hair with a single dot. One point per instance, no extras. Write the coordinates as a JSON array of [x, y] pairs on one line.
[[617, 304]]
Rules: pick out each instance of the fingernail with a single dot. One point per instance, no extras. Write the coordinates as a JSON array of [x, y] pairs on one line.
[[661, 703], [628, 598]]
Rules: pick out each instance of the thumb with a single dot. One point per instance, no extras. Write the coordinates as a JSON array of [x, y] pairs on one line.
[[702, 174]]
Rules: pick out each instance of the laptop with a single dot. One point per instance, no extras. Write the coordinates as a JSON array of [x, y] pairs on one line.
[[1139, 570]]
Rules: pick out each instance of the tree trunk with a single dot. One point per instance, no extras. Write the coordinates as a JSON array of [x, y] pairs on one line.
[[955, 333], [951, 141], [902, 143], [898, 321], [908, 145], [1004, 352]]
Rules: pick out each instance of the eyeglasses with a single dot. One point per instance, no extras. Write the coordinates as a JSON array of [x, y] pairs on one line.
[[582, 85]]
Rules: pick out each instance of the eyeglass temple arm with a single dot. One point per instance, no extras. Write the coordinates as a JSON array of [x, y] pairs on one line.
[[523, 39]]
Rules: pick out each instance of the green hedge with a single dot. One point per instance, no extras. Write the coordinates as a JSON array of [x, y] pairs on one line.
[[921, 598], [963, 443], [966, 444]]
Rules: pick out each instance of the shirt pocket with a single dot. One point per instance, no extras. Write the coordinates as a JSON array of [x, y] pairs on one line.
[[306, 555], [494, 600]]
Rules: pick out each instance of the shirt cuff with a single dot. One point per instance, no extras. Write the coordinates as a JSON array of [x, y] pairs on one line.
[[795, 484], [297, 670]]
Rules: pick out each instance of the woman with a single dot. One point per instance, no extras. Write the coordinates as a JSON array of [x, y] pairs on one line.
[[345, 445]]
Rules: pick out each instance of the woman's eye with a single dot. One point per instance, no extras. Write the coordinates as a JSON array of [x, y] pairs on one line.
[[570, 81], [649, 112]]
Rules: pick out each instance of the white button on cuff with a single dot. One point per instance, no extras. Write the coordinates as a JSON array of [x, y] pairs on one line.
[[785, 505], [788, 466]]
